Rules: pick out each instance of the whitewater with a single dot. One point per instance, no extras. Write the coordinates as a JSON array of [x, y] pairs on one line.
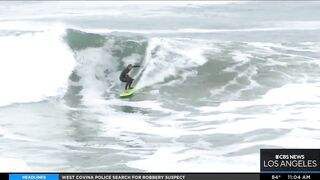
[[218, 82]]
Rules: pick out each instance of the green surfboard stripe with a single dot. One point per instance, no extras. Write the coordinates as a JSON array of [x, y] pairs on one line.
[[128, 92]]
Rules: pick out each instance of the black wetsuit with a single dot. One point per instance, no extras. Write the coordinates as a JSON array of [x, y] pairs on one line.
[[124, 77]]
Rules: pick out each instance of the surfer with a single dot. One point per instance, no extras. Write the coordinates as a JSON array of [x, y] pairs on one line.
[[124, 77]]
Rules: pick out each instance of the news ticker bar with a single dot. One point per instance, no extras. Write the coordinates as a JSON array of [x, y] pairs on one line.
[[163, 176]]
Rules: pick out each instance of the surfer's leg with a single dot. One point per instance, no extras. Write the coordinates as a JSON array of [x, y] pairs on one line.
[[127, 85], [130, 82]]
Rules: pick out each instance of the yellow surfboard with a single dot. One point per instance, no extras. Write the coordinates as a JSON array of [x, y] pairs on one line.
[[128, 92]]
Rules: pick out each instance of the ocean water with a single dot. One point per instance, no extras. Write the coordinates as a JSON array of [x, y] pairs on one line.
[[219, 81]]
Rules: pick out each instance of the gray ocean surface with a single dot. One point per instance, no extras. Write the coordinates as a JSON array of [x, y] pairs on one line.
[[219, 81]]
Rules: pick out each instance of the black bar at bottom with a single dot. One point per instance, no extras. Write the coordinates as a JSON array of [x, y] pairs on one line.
[[192, 176], [4, 176], [179, 176], [289, 176], [161, 176]]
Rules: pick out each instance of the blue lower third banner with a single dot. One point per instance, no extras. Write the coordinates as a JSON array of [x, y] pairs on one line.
[[33, 176]]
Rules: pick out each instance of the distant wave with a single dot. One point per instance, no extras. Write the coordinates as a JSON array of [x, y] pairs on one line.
[[193, 30], [41, 26]]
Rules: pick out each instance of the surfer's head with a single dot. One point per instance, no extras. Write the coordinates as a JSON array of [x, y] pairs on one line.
[[130, 66]]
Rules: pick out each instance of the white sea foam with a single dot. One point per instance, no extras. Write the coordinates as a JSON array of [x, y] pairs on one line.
[[182, 159], [13, 165], [34, 66], [165, 58]]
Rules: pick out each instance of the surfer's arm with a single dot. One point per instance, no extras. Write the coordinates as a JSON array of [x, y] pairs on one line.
[[136, 66]]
